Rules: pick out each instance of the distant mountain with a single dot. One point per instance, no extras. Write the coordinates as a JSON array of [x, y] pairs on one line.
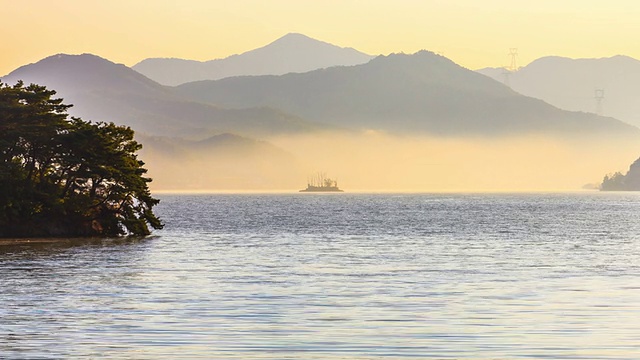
[[499, 74], [571, 84], [103, 91], [290, 53], [423, 92], [220, 162]]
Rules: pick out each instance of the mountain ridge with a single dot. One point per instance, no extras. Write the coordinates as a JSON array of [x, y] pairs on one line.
[[101, 90], [571, 84], [417, 92], [292, 52]]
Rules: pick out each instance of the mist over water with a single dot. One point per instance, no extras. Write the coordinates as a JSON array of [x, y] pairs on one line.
[[376, 161]]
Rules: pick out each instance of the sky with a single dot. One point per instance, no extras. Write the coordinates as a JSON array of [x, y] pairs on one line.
[[473, 33]]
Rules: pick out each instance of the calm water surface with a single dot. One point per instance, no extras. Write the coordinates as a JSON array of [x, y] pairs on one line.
[[339, 276]]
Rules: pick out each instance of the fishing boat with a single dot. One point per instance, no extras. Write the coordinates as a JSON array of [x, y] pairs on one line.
[[321, 183]]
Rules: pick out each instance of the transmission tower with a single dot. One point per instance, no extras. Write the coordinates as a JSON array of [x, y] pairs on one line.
[[599, 96], [513, 54], [513, 66]]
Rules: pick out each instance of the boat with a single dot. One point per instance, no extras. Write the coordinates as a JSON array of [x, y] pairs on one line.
[[321, 183]]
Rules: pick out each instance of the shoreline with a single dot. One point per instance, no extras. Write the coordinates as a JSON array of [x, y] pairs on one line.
[[71, 240], [9, 242]]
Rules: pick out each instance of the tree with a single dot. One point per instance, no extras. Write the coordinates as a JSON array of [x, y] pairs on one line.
[[63, 176], [613, 182], [619, 182]]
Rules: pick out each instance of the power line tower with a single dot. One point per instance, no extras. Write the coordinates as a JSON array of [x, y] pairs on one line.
[[512, 68], [599, 96], [513, 54]]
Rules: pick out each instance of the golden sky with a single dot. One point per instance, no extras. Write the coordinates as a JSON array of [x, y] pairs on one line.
[[473, 33]]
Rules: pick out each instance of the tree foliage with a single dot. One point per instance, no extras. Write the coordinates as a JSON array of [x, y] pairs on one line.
[[627, 182], [613, 182], [63, 176]]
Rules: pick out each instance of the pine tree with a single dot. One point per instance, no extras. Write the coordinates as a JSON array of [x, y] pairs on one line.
[[63, 176]]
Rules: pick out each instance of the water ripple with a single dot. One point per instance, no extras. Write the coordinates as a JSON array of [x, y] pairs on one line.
[[453, 276]]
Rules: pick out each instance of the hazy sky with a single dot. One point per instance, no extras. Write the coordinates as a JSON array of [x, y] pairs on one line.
[[473, 33]]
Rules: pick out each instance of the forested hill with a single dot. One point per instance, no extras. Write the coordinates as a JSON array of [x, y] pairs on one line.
[[422, 92], [571, 84], [103, 90]]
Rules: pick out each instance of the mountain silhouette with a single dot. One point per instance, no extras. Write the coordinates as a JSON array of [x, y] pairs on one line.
[[423, 92], [224, 161], [290, 53], [104, 91], [571, 84]]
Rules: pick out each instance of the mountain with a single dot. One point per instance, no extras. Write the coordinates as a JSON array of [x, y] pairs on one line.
[[103, 91], [423, 92], [224, 161], [571, 84], [290, 53]]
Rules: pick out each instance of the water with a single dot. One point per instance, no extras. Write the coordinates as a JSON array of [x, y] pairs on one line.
[[339, 276]]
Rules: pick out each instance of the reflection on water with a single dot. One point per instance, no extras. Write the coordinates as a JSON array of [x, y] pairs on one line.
[[42, 246], [339, 276]]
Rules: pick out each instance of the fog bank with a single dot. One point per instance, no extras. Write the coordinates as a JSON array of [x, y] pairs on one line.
[[374, 161]]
